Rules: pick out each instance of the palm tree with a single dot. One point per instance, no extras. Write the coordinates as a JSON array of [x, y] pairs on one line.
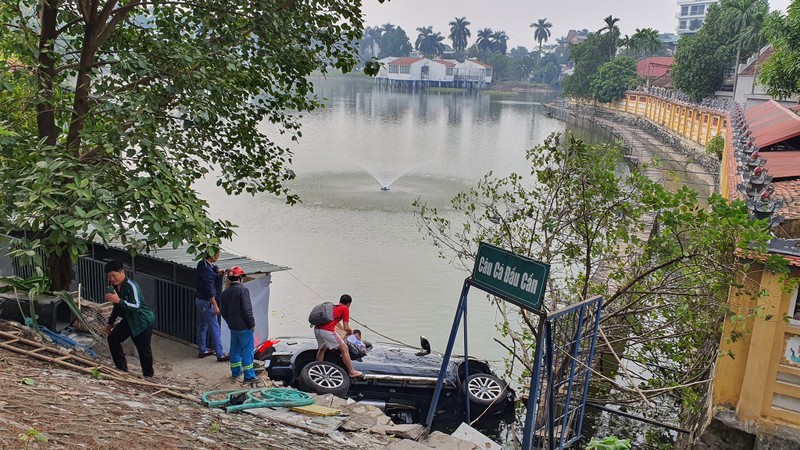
[[429, 43], [484, 41], [371, 36], [387, 28], [612, 31], [424, 33], [747, 18], [459, 34], [500, 42], [541, 33], [645, 40], [629, 43]]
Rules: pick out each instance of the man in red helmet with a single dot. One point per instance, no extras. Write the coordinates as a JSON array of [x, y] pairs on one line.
[[237, 311]]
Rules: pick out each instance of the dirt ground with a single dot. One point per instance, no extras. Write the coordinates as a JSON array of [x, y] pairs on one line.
[[47, 406]]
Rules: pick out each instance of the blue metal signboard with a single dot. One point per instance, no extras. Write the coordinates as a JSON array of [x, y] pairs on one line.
[[515, 278]]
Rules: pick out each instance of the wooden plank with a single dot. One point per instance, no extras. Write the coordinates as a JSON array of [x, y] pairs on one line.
[[316, 410]]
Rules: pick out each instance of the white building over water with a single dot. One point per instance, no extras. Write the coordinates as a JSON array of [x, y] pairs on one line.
[[421, 72]]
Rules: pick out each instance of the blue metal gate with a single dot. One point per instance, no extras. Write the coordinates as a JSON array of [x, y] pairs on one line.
[[172, 303], [560, 379]]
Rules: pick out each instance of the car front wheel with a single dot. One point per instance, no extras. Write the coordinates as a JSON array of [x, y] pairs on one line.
[[484, 389], [323, 377]]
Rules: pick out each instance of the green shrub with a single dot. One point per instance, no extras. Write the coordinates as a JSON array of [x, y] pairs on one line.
[[715, 146], [609, 443]]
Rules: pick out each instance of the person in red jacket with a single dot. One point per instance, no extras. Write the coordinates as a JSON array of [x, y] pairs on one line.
[[327, 338]]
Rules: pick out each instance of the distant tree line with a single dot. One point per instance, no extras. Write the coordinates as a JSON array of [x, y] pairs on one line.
[[601, 73], [490, 47]]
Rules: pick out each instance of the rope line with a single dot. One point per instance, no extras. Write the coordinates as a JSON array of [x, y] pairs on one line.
[[304, 284]]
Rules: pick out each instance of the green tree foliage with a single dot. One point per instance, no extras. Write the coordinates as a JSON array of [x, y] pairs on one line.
[[459, 33], [485, 40], [541, 32], [715, 146], [119, 107], [781, 73], [394, 41], [500, 42], [644, 42], [589, 55], [665, 295], [547, 70], [613, 79], [702, 59]]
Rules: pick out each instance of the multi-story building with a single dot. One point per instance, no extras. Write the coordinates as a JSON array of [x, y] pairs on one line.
[[692, 14]]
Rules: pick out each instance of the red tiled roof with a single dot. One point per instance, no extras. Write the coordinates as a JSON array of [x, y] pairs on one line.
[[480, 63], [654, 67], [787, 191], [406, 61], [751, 68], [772, 123], [446, 63], [792, 260], [784, 164]]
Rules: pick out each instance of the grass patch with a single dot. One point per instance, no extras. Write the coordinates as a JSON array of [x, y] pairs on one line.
[[500, 93], [445, 89]]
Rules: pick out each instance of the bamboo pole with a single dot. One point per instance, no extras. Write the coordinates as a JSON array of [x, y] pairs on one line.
[[59, 361]]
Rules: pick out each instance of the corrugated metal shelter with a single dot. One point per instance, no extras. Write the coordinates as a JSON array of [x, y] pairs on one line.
[[772, 123], [167, 277]]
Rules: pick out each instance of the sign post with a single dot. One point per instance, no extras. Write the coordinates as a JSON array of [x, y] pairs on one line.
[[512, 277], [565, 343]]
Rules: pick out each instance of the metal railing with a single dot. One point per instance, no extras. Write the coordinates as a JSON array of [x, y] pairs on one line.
[[172, 303]]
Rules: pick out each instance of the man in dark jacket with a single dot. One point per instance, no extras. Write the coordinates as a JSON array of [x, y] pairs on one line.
[[207, 309], [237, 311], [137, 319]]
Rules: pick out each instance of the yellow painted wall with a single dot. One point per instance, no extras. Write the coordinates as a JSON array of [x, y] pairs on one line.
[[729, 370], [681, 118]]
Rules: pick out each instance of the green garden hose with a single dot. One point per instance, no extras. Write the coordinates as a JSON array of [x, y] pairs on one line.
[[239, 399]]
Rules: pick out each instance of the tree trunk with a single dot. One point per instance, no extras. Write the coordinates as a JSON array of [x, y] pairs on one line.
[[736, 71], [83, 83], [45, 114], [61, 271]]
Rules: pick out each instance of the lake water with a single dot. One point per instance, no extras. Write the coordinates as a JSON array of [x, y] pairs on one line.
[[348, 236]]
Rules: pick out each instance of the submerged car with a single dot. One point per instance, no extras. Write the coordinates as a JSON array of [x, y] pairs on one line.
[[398, 379]]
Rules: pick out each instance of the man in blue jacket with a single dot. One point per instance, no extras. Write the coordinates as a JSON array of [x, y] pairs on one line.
[[237, 310], [137, 319], [207, 308]]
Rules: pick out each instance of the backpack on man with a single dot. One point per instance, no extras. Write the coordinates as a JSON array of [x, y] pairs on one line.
[[321, 314]]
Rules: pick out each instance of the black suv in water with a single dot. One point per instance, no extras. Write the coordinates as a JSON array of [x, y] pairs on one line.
[[398, 379]]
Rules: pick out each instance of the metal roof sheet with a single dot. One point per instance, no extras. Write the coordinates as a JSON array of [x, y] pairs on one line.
[[226, 260], [788, 248], [784, 164], [772, 123], [654, 66]]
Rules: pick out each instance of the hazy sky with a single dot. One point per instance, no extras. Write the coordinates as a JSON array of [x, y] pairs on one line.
[[515, 16]]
